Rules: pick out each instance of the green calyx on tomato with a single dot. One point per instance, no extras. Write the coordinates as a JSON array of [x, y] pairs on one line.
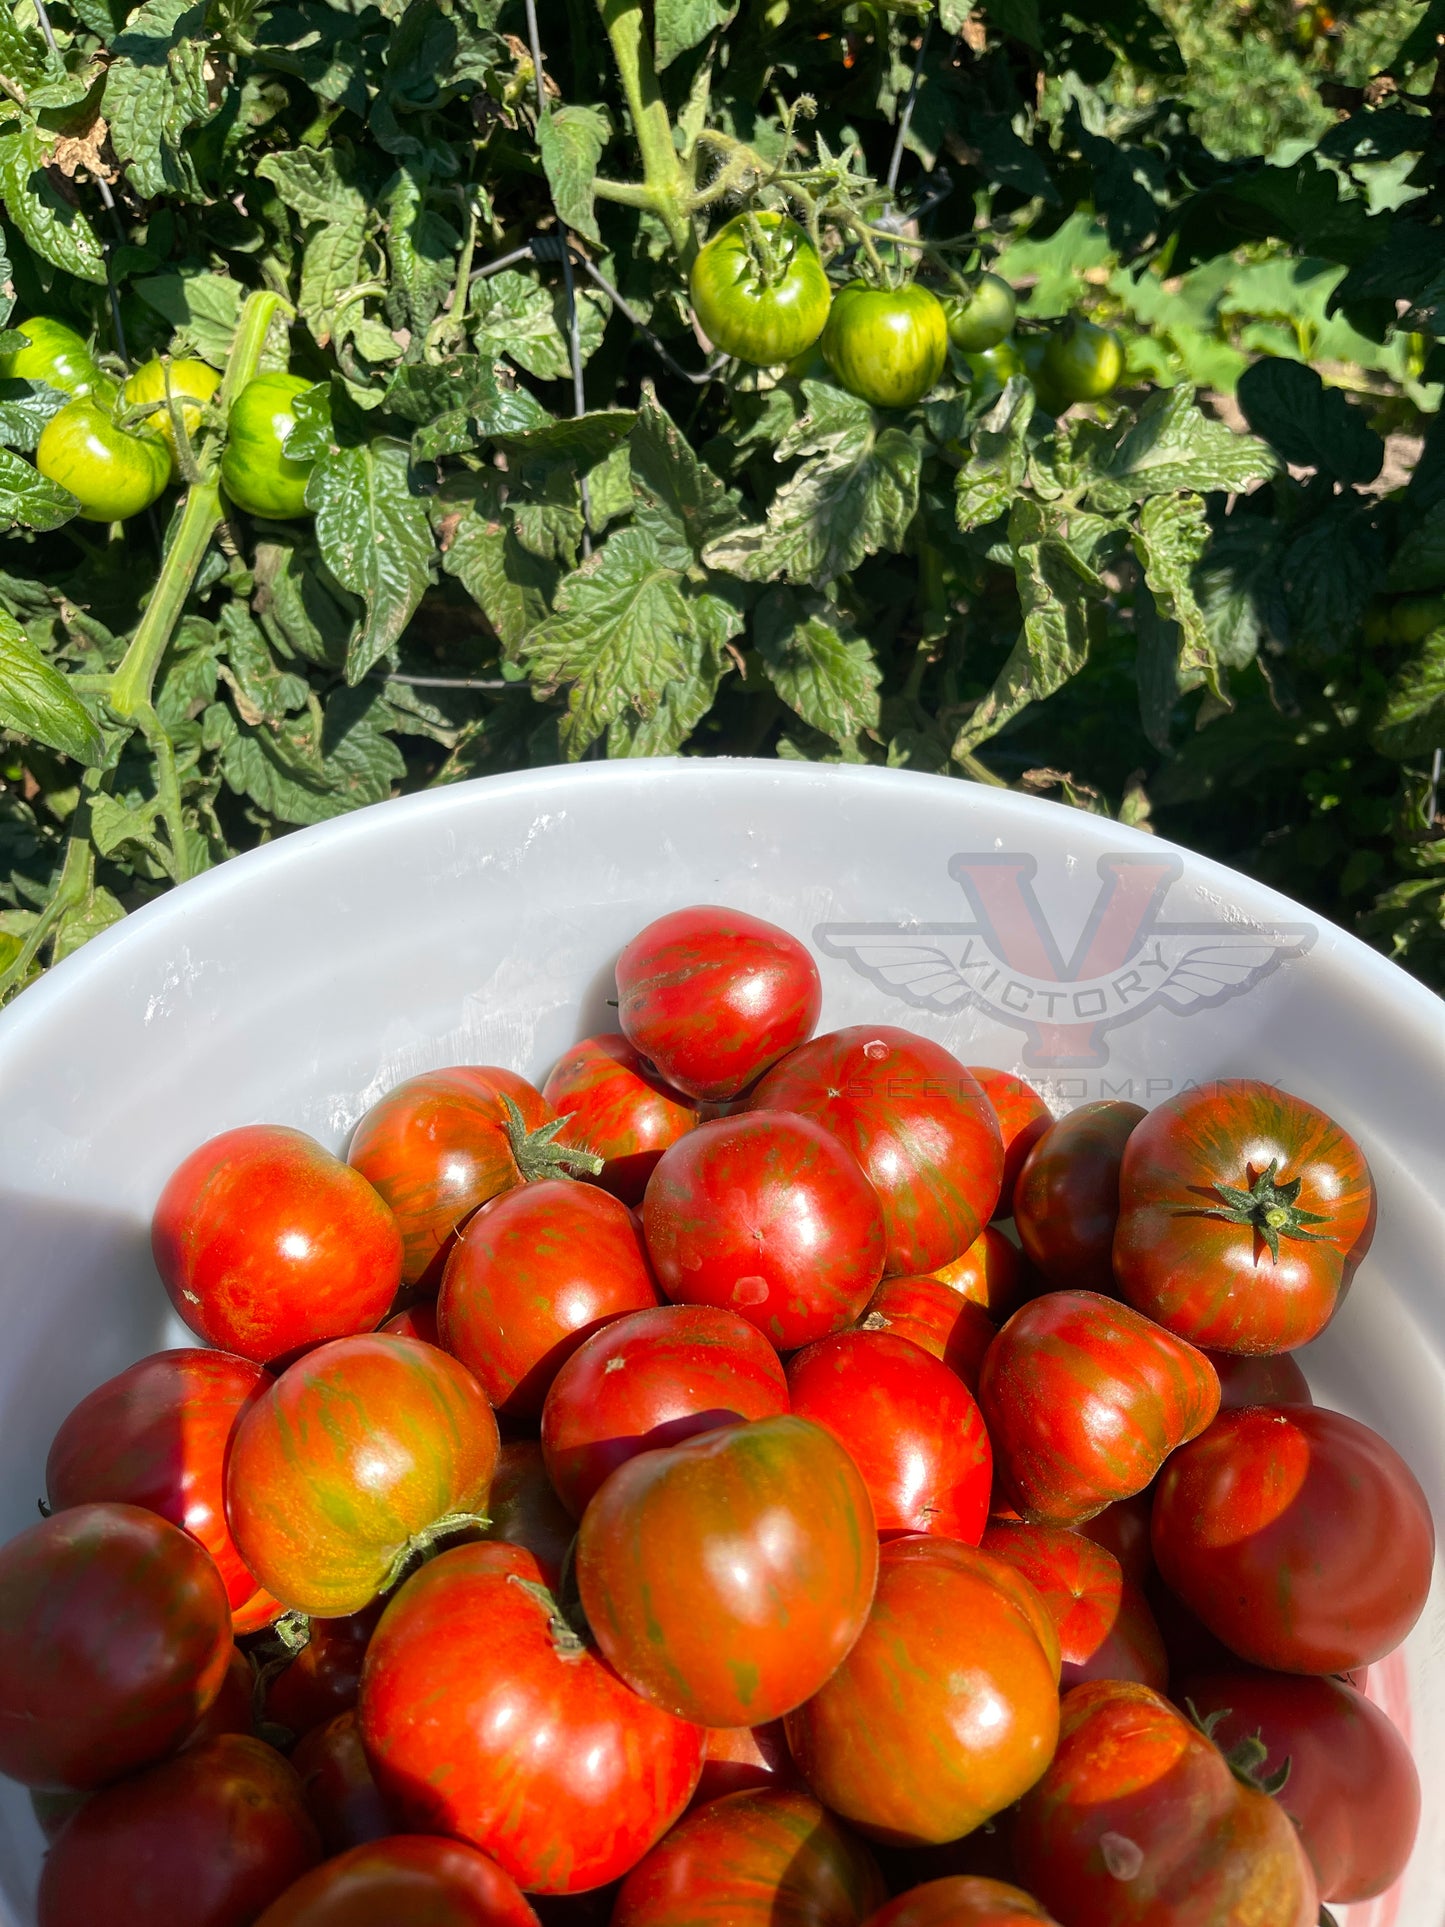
[[886, 345], [1270, 1208], [980, 315], [1081, 361], [189, 385], [56, 355], [758, 289], [113, 475], [256, 472]]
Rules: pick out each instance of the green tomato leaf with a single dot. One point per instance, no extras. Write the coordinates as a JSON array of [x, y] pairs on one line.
[[421, 246], [317, 765], [513, 316], [682, 504], [28, 499], [336, 217], [1309, 425], [1176, 648], [203, 308], [579, 441], [36, 699], [995, 471], [25, 408], [303, 611], [97, 912], [1419, 562], [510, 584], [375, 538], [818, 663], [156, 94], [52, 224], [1173, 445], [1412, 722], [1237, 586], [1329, 570], [571, 140], [680, 24], [24, 56], [715, 618]]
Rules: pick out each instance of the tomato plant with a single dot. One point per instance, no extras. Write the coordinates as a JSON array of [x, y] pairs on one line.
[[886, 345], [1066, 1199], [256, 472], [111, 474], [758, 289], [1105, 1628], [620, 1109], [412, 1877]]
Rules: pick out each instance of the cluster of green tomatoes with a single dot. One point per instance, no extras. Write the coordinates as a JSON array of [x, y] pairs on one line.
[[117, 443], [760, 292]]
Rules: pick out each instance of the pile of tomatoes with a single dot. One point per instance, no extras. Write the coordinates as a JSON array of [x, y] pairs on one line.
[[671, 1496]]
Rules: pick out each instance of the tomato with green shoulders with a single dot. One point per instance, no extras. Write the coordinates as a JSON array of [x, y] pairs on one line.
[[886, 345], [55, 354], [980, 314], [112, 474], [256, 472], [758, 289], [189, 384]]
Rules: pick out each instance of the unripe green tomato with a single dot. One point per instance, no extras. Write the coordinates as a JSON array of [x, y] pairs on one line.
[[1081, 361], [56, 355], [111, 474], [886, 345], [1032, 351], [763, 303], [256, 473], [1375, 626], [192, 385], [996, 366], [1414, 617], [982, 318]]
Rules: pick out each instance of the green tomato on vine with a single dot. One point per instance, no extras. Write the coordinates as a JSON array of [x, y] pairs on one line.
[[113, 475], [758, 289], [886, 345], [55, 354], [256, 472], [191, 386], [980, 316]]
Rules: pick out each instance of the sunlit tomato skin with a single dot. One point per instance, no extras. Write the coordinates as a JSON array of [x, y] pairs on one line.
[[470, 1658], [1212, 1185], [652, 1379], [981, 316], [352, 1458], [114, 1639], [753, 1860], [1139, 1821], [534, 1273], [1084, 1400], [259, 1612], [1275, 1379], [111, 474], [1105, 1627], [525, 1510], [418, 1320], [916, 1121], [758, 289], [1081, 361], [1299, 1537], [726, 1577], [156, 1435], [931, 1314], [407, 1880], [232, 1710], [1023, 1117], [744, 1759], [963, 1900], [1123, 1529], [620, 1108], [991, 1272], [324, 1678], [888, 346], [910, 1425], [1352, 1788], [436, 1147], [946, 1708], [713, 996], [157, 384], [770, 1216], [256, 472], [212, 1836], [341, 1796], [1066, 1202], [55, 354], [265, 1242]]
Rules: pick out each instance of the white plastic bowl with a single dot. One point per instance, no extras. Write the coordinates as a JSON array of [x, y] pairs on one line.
[[479, 924]]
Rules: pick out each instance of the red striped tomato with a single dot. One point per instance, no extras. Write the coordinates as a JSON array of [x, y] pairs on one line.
[[620, 1108], [932, 1315], [1066, 1201], [1105, 1627]]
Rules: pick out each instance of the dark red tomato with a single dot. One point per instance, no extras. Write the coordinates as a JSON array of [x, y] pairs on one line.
[[52, 1810], [744, 1759], [916, 1121], [532, 1275], [1191, 1647], [991, 1272], [931, 1314], [266, 1242], [1243, 1214], [757, 1859], [409, 1880], [620, 1108], [485, 1716], [325, 1676], [1352, 1789], [771, 1217], [443, 1143], [1139, 1822], [1023, 1117], [963, 1901], [1123, 1529], [114, 1639], [211, 1837], [156, 1436], [946, 1708], [652, 1379], [1105, 1628], [1066, 1202], [1084, 1400], [1298, 1536], [1275, 1380], [356, 1456], [910, 1425], [526, 1511], [726, 1577], [712, 997], [342, 1798], [231, 1711], [417, 1321]]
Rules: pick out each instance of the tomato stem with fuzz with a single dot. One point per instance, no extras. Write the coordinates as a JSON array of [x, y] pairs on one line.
[[1245, 1758], [424, 1546], [1269, 1208], [537, 1156], [567, 1641], [651, 127]]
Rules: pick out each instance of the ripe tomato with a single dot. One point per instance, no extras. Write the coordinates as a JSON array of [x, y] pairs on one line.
[[56, 355], [534, 1273], [991, 1272], [418, 1321], [947, 1707], [910, 1425], [1082, 361], [356, 1456], [256, 472], [111, 474], [443, 1143], [525, 1508], [1298, 1536], [918, 1124], [758, 289], [325, 1676], [266, 1242], [752, 1860], [156, 1436], [1123, 1529], [744, 1759], [231, 1711], [1273, 1380], [712, 997], [1066, 1202], [212, 1836], [726, 1577], [1352, 1789], [409, 1880], [1243, 1213], [1139, 1821], [114, 1639], [769, 1216], [620, 1108], [485, 1716], [981, 315], [1105, 1628], [931, 1314], [886, 345], [1023, 1117], [961, 1900], [649, 1380], [1084, 1400], [341, 1796], [157, 385]]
